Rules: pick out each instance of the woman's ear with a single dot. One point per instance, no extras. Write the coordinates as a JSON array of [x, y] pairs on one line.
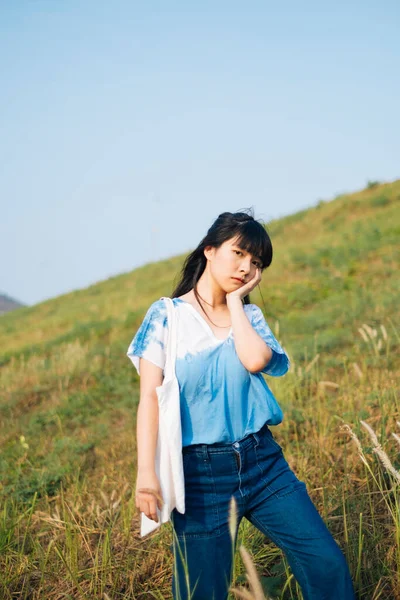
[[208, 252]]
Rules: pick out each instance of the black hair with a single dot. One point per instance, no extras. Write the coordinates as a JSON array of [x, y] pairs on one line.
[[251, 236]]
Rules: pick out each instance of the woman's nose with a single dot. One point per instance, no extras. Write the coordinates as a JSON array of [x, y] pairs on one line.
[[246, 268]]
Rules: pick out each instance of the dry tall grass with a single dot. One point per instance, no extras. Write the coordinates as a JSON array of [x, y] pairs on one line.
[[84, 540], [87, 535]]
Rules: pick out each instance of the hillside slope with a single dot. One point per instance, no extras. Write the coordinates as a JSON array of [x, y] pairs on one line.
[[335, 267]]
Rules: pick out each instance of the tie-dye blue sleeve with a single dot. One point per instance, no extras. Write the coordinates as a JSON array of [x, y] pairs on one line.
[[150, 339], [280, 362]]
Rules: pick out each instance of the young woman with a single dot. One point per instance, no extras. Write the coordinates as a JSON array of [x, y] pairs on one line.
[[224, 346]]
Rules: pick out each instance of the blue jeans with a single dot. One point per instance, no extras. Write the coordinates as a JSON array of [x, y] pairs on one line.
[[272, 498]]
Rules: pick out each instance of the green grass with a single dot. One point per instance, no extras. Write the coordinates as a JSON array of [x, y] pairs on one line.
[[69, 394]]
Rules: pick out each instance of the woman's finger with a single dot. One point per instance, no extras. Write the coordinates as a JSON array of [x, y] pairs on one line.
[[144, 506], [149, 509], [153, 510]]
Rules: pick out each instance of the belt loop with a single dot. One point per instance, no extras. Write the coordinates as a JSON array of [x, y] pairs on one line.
[[206, 456], [257, 439]]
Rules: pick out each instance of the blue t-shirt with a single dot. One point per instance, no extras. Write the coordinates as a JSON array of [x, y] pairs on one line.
[[220, 400]]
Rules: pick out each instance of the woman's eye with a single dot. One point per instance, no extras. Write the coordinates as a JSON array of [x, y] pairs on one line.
[[256, 263]]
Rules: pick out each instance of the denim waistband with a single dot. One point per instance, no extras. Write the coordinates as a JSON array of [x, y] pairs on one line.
[[252, 439]]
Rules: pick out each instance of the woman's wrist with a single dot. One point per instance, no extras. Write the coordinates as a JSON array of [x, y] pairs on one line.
[[146, 469], [232, 301]]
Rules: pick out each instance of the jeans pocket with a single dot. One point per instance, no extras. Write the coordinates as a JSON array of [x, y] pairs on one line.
[[267, 439], [274, 469]]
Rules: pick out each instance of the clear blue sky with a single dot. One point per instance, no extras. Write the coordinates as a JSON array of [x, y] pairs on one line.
[[127, 127]]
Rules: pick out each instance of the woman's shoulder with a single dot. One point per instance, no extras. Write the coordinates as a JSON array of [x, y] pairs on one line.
[[188, 298], [157, 311], [251, 309], [250, 306]]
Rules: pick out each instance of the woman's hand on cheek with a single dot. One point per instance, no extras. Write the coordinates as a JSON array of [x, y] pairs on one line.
[[246, 288]]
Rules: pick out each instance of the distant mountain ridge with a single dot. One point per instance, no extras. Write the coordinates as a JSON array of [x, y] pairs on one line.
[[7, 304]]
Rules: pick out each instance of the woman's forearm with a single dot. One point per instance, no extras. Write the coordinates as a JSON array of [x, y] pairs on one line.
[[253, 352], [147, 432]]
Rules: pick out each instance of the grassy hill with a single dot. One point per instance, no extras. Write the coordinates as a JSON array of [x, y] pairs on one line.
[[69, 396]]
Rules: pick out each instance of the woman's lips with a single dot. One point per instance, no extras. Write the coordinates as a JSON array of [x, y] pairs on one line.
[[236, 279]]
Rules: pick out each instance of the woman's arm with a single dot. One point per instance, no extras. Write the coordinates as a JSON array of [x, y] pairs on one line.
[[147, 353], [253, 352], [269, 357], [151, 376]]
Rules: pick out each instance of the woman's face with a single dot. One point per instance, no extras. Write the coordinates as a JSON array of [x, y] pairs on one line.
[[230, 261]]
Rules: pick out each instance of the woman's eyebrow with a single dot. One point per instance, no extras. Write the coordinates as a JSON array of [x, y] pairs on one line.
[[243, 250]]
